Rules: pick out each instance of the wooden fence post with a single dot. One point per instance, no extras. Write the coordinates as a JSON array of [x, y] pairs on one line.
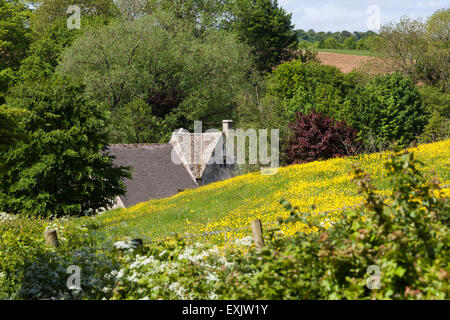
[[51, 238], [257, 234], [138, 244]]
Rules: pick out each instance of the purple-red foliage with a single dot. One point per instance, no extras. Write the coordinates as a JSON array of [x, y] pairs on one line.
[[319, 137]]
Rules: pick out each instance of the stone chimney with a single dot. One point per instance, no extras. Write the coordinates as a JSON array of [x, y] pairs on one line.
[[226, 126]]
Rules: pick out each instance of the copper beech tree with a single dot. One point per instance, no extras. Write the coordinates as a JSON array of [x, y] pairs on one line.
[[319, 137]]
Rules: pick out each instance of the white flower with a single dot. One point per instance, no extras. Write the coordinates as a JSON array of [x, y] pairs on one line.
[[133, 278], [122, 245], [178, 289], [247, 241], [120, 274], [4, 217], [106, 289], [162, 253], [188, 255], [213, 296], [211, 277]]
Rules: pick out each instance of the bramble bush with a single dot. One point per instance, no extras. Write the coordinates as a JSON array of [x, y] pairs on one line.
[[319, 137]]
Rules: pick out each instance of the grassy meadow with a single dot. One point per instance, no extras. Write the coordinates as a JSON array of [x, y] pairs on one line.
[[233, 204], [364, 53], [321, 186], [206, 267]]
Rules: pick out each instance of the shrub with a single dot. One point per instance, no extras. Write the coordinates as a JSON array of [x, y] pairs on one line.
[[318, 137], [57, 169], [388, 108], [437, 104], [31, 270], [301, 87]]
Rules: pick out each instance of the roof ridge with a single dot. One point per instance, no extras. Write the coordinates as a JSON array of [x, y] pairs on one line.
[[138, 145]]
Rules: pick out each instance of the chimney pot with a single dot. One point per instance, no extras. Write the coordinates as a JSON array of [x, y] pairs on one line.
[[226, 125]]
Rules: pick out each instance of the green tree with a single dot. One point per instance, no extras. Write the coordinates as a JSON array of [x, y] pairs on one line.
[[57, 169], [419, 48], [50, 11], [404, 42], [331, 43], [45, 52], [350, 43], [301, 87], [435, 67], [266, 28], [10, 134], [7, 77], [14, 33], [388, 109], [362, 44], [437, 104], [157, 58], [321, 44], [15, 38], [203, 14], [134, 123]]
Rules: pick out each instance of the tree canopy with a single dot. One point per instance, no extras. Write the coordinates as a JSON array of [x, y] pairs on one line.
[[56, 168], [159, 59], [50, 11], [15, 38], [419, 48], [266, 28]]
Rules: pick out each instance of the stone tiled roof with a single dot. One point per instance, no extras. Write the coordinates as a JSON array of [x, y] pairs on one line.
[[155, 174]]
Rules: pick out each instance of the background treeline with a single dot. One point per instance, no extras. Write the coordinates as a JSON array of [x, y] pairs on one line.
[[335, 40]]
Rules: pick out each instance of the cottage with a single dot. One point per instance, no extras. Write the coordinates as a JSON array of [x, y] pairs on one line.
[[163, 170]]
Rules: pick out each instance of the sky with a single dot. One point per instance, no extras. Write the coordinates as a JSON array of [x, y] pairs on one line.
[[356, 15]]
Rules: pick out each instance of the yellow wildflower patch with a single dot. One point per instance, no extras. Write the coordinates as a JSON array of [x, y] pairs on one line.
[[234, 203]]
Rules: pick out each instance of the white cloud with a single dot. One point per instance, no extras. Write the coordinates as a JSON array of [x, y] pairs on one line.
[[351, 15]]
